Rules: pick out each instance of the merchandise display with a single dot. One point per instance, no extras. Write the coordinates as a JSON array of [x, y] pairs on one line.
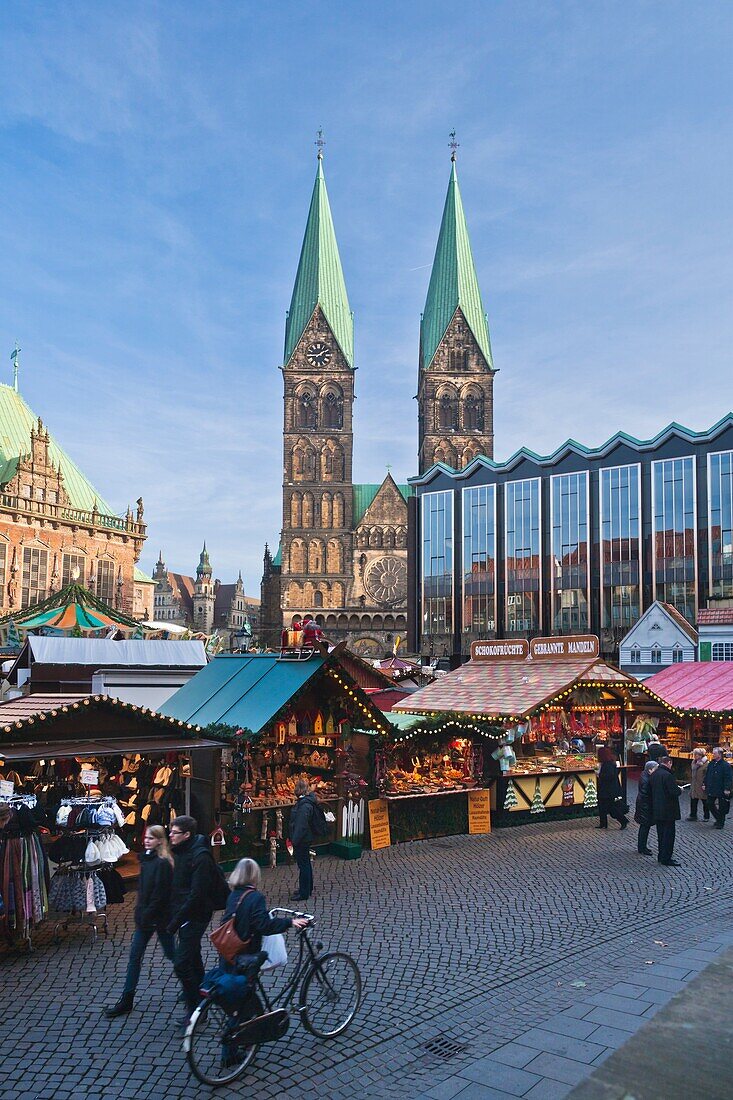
[[428, 765], [24, 874]]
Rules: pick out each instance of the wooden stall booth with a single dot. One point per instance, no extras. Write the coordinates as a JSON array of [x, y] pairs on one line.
[[285, 717], [551, 702], [688, 706]]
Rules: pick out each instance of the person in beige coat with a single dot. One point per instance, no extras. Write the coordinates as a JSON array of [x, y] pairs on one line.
[[697, 785]]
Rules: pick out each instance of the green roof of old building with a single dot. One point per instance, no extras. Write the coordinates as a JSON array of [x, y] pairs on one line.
[[365, 494], [320, 278], [143, 578], [16, 422], [453, 282]]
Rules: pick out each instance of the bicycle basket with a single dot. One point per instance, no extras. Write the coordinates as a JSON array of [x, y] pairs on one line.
[[263, 1029]]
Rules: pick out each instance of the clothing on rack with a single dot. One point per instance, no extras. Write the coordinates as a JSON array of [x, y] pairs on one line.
[[75, 891], [24, 876]]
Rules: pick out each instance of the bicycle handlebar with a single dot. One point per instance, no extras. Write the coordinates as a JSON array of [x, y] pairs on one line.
[[293, 913]]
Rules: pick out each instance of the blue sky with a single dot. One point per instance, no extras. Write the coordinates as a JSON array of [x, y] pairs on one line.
[[157, 162]]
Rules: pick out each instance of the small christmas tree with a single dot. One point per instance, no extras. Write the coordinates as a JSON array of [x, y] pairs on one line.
[[590, 799], [511, 799], [538, 806]]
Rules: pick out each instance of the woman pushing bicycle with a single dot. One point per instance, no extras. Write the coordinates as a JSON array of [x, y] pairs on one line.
[[248, 907]]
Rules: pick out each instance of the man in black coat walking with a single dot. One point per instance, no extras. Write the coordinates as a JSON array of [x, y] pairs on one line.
[[665, 809], [192, 903], [717, 787]]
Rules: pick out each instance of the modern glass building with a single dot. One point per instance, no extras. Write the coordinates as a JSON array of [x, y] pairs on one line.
[[580, 541]]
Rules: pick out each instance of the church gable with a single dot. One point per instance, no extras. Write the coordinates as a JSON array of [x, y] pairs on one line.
[[36, 477], [388, 507], [317, 343], [458, 350]]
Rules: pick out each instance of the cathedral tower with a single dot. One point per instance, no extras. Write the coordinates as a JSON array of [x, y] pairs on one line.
[[456, 379], [318, 376], [203, 595]]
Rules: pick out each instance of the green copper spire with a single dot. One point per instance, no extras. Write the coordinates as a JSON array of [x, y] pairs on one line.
[[204, 566], [453, 282], [320, 278]]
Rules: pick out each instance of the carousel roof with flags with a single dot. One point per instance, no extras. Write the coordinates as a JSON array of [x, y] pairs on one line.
[[73, 608]]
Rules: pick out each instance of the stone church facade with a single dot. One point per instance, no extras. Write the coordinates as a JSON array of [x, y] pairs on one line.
[[343, 546]]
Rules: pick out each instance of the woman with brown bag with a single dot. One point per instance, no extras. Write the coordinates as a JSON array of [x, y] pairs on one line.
[[248, 907]]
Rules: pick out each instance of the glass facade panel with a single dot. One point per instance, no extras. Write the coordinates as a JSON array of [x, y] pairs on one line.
[[620, 548], [569, 494], [479, 560], [523, 556], [437, 563], [720, 519], [673, 494]]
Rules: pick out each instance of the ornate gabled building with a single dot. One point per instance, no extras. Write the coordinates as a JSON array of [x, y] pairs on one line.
[[456, 375], [201, 603], [345, 567], [55, 528]]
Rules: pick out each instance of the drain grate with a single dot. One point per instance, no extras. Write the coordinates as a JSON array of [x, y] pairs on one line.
[[444, 1048]]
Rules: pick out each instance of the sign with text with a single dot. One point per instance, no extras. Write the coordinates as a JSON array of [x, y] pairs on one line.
[[479, 813], [582, 645], [6, 788], [379, 823], [89, 777], [495, 650]]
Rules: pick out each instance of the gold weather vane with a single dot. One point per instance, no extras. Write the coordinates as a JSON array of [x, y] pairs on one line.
[[320, 142], [453, 144]]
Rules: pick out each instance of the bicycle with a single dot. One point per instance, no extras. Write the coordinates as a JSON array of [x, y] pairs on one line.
[[219, 1047]]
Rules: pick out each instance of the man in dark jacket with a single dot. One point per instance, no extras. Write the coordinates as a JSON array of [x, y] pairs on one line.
[[192, 903], [301, 834], [717, 787], [665, 809], [643, 809]]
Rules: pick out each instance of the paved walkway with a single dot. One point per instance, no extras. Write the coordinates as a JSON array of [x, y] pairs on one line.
[[507, 965]]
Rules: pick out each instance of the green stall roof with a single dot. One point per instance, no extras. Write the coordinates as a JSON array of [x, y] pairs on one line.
[[241, 690]]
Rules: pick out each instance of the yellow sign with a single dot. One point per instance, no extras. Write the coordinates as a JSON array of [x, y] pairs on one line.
[[379, 823], [479, 814]]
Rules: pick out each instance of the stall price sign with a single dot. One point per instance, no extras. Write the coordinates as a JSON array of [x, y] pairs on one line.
[[479, 813], [6, 788], [379, 823], [89, 777]]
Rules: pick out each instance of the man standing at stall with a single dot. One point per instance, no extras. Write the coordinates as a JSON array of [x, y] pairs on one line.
[[198, 889], [665, 809], [717, 787]]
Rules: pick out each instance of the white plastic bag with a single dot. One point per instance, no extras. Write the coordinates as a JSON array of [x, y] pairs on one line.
[[277, 952]]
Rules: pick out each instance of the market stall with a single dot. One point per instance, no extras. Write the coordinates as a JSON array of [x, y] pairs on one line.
[[550, 704], [689, 705], [285, 717]]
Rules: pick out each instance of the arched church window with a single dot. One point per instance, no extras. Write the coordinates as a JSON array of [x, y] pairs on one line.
[[306, 410], [333, 410], [473, 413], [447, 412]]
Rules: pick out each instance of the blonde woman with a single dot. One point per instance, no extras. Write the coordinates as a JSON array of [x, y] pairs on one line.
[[152, 912], [248, 907]]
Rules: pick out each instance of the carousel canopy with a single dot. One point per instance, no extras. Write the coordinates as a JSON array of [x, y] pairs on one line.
[[72, 609]]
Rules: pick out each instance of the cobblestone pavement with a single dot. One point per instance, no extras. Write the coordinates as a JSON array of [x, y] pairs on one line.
[[494, 966]]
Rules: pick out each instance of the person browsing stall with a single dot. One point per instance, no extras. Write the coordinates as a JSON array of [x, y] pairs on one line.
[[665, 810]]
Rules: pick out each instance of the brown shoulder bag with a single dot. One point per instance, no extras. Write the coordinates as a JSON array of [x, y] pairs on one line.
[[225, 940]]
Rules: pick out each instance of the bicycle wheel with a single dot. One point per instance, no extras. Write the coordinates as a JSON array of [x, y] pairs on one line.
[[330, 995], [212, 1060]]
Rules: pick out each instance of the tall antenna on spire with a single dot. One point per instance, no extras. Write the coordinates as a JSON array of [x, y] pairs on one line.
[[15, 359], [320, 142], [453, 145]]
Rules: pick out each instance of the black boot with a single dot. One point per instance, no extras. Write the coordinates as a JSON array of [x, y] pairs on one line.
[[123, 1006]]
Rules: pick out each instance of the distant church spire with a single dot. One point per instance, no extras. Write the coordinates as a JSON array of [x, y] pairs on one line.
[[204, 565], [453, 280], [320, 278]]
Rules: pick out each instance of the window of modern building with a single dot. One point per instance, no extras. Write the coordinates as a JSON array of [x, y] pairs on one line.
[[677, 655], [620, 512], [437, 562], [479, 560], [722, 651], [72, 569], [656, 655], [35, 575], [106, 580], [570, 552], [523, 556], [635, 655], [720, 519], [675, 534]]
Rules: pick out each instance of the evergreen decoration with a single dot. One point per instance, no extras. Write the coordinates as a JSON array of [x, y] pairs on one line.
[[511, 799], [538, 806], [219, 731], [590, 800], [12, 640]]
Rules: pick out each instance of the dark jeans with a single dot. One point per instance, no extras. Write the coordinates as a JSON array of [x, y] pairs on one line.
[[303, 859], [719, 808], [140, 941], [609, 807], [665, 839], [643, 838], [705, 807], [188, 963]]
